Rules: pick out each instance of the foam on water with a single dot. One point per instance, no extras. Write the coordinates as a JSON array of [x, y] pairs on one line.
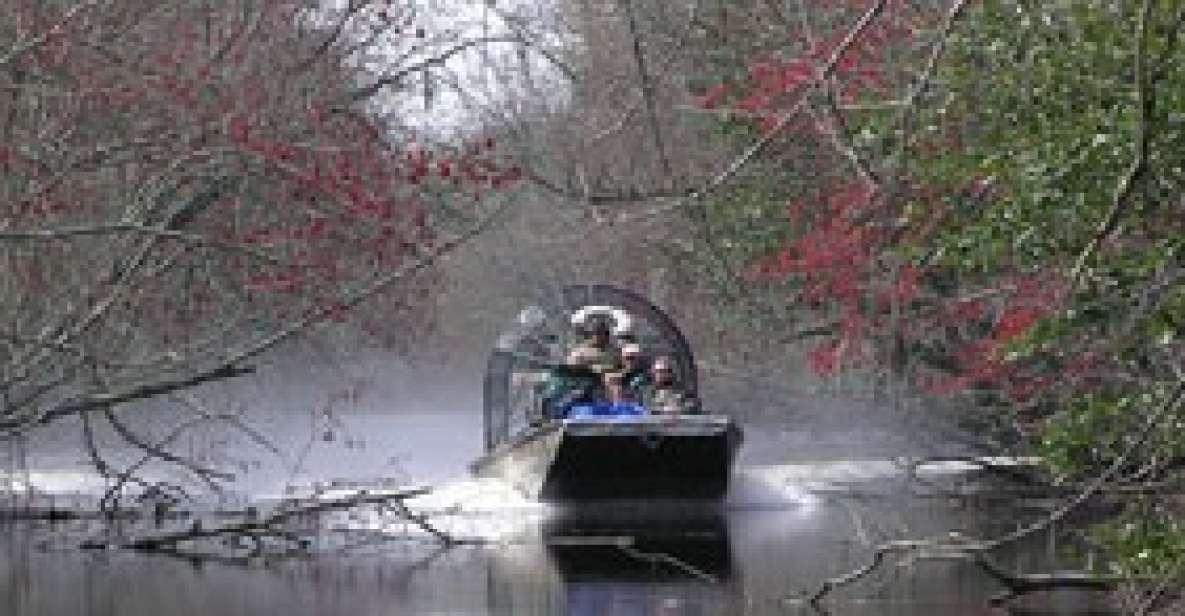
[[483, 510], [475, 495], [53, 482], [804, 484]]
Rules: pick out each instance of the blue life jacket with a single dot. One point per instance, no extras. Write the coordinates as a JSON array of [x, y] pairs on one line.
[[628, 408], [607, 409]]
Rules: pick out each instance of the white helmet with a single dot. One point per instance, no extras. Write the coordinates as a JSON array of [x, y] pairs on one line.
[[623, 323]]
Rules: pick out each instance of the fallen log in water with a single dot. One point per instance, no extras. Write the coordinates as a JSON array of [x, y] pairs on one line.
[[256, 527]]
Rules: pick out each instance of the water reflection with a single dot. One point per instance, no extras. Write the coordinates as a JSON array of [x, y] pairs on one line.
[[658, 564]]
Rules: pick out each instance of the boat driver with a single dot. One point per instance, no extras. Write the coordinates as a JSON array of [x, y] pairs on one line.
[[596, 349], [592, 356]]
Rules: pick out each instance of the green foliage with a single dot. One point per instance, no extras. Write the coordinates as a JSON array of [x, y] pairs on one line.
[[1041, 97], [1021, 151], [1088, 433], [1146, 542], [1040, 100]]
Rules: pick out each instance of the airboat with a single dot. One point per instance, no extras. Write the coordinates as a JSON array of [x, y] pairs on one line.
[[687, 457]]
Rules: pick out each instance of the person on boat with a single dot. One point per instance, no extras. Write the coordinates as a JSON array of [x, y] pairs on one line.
[[637, 374], [572, 384], [664, 396], [596, 346], [623, 328], [618, 401]]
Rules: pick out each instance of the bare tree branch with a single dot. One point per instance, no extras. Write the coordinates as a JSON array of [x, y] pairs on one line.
[[647, 86], [63, 233], [210, 476], [963, 547], [41, 39], [394, 78]]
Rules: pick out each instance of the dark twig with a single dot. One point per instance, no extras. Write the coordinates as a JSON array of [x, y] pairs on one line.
[[1167, 410], [647, 86], [396, 77], [667, 559], [422, 522], [130, 394], [1139, 163], [1021, 583], [64, 233], [208, 475], [105, 469]]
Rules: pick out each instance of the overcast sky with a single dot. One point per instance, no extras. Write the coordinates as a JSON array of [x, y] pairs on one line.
[[472, 85]]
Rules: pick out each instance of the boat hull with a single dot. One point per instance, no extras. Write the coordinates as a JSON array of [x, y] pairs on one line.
[[635, 458]]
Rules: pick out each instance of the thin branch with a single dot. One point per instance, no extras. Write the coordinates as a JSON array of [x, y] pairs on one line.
[[352, 9], [961, 547], [230, 366], [958, 548], [1139, 164], [922, 83], [128, 394], [878, 557], [590, 198], [423, 523], [194, 403], [396, 77], [353, 299], [210, 476], [616, 127], [841, 140], [908, 105], [117, 282], [104, 469], [667, 559], [515, 24], [62, 233], [52, 30], [784, 119], [1167, 410], [647, 87], [109, 497]]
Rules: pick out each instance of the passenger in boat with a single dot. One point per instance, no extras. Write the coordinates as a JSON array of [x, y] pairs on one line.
[[618, 402], [570, 385], [664, 396], [633, 364], [620, 399]]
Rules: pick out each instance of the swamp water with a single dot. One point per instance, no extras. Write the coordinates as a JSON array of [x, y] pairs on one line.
[[784, 530]]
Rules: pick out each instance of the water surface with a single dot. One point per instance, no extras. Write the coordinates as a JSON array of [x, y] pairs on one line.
[[785, 529]]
